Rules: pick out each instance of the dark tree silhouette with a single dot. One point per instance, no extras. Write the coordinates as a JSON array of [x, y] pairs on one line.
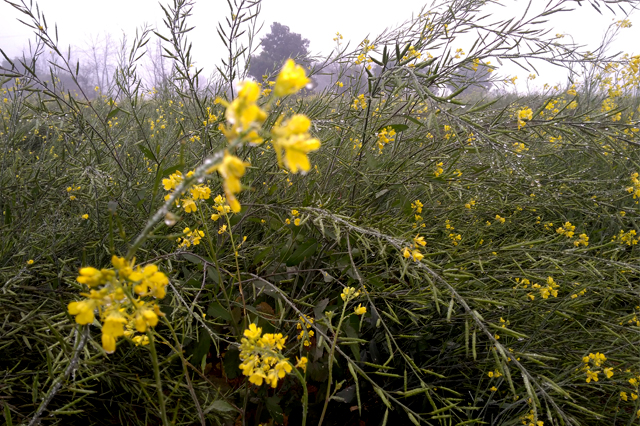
[[277, 46]]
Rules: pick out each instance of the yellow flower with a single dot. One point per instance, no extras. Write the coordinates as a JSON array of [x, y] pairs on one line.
[[592, 375], [85, 216], [524, 114], [419, 241], [253, 332], [243, 114], [93, 277], [349, 293], [416, 255], [623, 396], [144, 318], [30, 262], [293, 138], [231, 169], [83, 310], [140, 340], [112, 328], [172, 181], [291, 79], [296, 222], [150, 281], [200, 192], [189, 205], [302, 363], [360, 310], [222, 229], [608, 372], [406, 253]]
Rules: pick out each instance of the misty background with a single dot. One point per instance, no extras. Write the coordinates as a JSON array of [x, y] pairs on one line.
[[100, 35]]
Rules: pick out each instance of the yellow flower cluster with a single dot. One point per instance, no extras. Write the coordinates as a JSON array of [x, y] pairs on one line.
[[635, 189], [455, 238], [359, 102], [118, 295], [296, 218], [567, 229], [244, 116], [494, 374], [524, 114], [531, 420], [304, 326], [262, 359], [628, 238], [519, 147], [412, 53], [582, 240], [580, 293], [439, 170], [417, 206], [291, 79], [349, 293], [292, 142], [190, 238], [385, 136], [550, 289], [595, 360], [221, 206], [413, 251], [196, 192]]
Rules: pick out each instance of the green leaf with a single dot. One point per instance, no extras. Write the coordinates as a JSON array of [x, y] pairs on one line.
[[191, 258], [215, 310], [261, 255], [231, 363], [169, 170], [219, 406], [147, 153], [113, 113], [303, 251], [202, 348], [273, 406]]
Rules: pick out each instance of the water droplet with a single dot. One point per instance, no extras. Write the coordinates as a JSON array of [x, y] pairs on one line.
[[170, 219]]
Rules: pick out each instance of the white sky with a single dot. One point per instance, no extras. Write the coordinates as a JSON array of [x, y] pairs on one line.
[[80, 20]]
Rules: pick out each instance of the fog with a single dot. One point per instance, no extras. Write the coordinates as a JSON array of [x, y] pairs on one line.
[[97, 35]]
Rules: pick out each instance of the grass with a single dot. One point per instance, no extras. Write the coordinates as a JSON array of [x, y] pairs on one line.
[[458, 337]]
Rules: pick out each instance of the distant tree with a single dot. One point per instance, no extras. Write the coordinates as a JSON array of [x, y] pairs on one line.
[[277, 46]]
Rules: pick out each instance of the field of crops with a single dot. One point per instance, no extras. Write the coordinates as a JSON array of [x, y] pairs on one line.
[[401, 247]]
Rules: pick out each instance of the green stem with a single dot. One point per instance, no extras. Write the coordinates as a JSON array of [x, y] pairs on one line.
[[156, 372], [235, 255], [331, 355], [305, 396]]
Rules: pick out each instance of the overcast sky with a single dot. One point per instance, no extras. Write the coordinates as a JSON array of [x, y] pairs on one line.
[[80, 20]]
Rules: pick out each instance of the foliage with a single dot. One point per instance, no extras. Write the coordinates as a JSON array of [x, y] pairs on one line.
[[437, 259]]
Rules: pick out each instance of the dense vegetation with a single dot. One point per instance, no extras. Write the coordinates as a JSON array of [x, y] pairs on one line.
[[452, 256]]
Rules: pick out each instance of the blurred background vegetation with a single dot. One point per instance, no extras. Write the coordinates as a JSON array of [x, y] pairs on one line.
[[528, 205]]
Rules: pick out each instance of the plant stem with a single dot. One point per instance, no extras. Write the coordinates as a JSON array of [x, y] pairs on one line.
[[331, 355], [156, 372], [305, 396]]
